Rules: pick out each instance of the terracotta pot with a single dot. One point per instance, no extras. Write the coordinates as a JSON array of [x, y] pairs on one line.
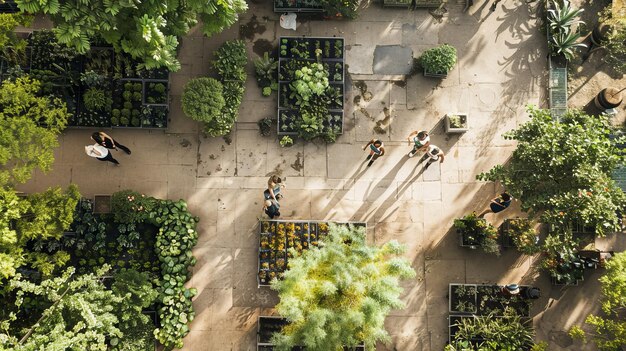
[[608, 98]]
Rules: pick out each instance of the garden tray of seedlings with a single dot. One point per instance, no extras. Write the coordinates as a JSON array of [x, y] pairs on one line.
[[277, 237], [484, 299], [296, 53], [101, 88]]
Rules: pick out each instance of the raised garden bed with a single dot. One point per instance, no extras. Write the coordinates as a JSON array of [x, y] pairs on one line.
[[297, 6], [119, 93], [453, 321], [296, 53], [484, 299], [277, 236], [268, 325]]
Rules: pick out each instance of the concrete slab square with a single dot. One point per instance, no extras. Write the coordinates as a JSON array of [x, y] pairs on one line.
[[392, 59], [324, 201], [251, 153], [440, 273], [365, 190], [216, 158], [284, 161], [296, 205], [314, 160], [182, 149], [407, 333], [483, 268], [177, 121], [215, 265], [202, 304], [397, 95], [254, 110], [360, 58], [344, 160]]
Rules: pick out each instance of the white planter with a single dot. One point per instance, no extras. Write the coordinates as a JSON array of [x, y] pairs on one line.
[[450, 129]]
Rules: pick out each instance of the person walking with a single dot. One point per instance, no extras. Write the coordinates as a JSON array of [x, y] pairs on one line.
[[274, 184], [433, 154], [377, 149], [103, 139], [100, 152], [498, 204], [271, 208], [420, 141]]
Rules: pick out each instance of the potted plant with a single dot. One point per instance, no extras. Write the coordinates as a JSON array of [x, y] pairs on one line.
[[437, 62], [474, 232], [520, 233], [456, 123], [561, 259], [608, 98]]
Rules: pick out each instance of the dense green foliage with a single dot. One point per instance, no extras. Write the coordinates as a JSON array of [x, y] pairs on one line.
[[202, 99], [146, 30], [438, 60], [614, 41], [29, 126], [345, 8], [562, 170], [11, 47], [609, 329], [80, 313], [476, 231], [230, 64], [339, 294], [37, 217], [497, 334]]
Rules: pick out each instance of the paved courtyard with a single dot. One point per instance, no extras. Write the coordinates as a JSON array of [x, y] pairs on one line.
[[502, 66]]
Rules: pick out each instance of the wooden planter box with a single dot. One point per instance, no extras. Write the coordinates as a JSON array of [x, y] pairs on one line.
[[468, 296], [299, 235], [398, 3], [435, 74], [456, 130], [102, 204]]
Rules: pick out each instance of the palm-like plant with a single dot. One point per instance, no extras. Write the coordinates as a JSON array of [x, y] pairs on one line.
[[563, 16], [564, 42]]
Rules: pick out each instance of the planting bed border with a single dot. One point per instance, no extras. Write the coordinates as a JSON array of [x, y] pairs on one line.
[[307, 242], [296, 8], [263, 344], [282, 59], [477, 299], [79, 67]]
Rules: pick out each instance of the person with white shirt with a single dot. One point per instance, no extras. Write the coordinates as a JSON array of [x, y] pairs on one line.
[[433, 154], [100, 152]]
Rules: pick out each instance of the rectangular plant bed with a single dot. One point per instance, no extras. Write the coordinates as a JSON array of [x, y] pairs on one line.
[[67, 77], [462, 298], [268, 325], [491, 300], [453, 321], [398, 3], [296, 53], [277, 236], [456, 123], [297, 6]]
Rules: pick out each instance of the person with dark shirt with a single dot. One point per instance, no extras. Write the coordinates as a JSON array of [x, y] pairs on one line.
[[105, 140], [377, 149], [271, 208], [498, 204]]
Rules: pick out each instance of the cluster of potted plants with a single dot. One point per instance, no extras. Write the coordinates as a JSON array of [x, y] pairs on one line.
[[311, 87], [281, 240], [521, 234], [95, 85], [476, 232]]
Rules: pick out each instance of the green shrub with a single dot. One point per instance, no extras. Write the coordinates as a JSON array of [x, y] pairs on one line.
[[128, 105], [222, 125], [267, 91], [125, 112], [231, 60], [95, 99], [116, 112], [115, 121], [127, 95], [135, 122], [137, 96], [286, 141], [159, 88], [92, 79], [130, 206], [202, 99], [137, 87], [439, 60], [124, 120]]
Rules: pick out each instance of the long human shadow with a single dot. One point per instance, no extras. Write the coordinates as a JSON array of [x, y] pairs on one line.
[[340, 193]]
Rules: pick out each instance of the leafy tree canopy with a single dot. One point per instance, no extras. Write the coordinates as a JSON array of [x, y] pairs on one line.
[[610, 329], [562, 170], [147, 30], [38, 216], [29, 126], [339, 295], [82, 314]]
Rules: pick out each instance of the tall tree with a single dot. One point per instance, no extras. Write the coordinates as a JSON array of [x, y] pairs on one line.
[[339, 295], [147, 30], [610, 328], [29, 126], [561, 170]]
